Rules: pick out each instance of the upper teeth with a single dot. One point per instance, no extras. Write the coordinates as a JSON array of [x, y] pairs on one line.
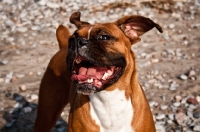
[[105, 76]]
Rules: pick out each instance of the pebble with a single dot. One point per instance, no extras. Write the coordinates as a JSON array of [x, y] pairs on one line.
[[181, 118], [198, 98], [20, 75], [196, 114], [197, 128], [192, 101], [52, 5], [27, 109], [17, 97], [171, 116], [22, 29], [39, 73], [9, 124], [34, 97], [183, 77], [163, 107], [177, 104], [171, 26], [1, 80], [18, 105], [178, 98], [23, 87], [191, 73], [160, 116]]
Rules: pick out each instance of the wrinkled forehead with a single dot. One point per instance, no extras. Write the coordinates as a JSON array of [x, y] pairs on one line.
[[90, 30]]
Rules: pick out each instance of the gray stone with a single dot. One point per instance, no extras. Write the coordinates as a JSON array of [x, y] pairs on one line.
[[197, 128], [196, 114], [9, 124]]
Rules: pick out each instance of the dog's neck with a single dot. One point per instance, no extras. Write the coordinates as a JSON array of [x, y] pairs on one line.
[[112, 111]]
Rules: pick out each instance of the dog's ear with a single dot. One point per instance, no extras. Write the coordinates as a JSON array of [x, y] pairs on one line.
[[75, 19], [135, 26], [62, 34]]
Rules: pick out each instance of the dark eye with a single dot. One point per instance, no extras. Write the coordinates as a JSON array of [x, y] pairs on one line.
[[104, 37]]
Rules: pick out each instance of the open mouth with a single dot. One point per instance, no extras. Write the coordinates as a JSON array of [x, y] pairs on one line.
[[91, 78]]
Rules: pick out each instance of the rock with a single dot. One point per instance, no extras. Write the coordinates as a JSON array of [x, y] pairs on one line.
[[192, 101], [178, 98], [171, 116], [27, 109], [4, 62], [39, 73], [18, 105], [9, 124], [9, 23], [176, 104], [191, 73], [181, 118], [163, 107], [1, 80], [34, 97], [160, 116], [8, 94], [20, 75], [8, 1], [52, 5], [196, 114], [17, 97], [196, 128], [183, 77], [198, 98], [42, 2], [23, 87], [22, 29], [171, 26], [159, 128]]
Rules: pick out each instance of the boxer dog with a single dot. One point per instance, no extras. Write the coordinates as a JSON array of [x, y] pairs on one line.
[[95, 72]]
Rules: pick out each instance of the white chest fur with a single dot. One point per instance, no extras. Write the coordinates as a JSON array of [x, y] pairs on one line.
[[112, 111]]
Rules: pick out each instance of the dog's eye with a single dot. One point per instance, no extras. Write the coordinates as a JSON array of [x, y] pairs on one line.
[[104, 37]]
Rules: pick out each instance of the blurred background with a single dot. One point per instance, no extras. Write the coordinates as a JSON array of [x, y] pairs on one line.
[[168, 63]]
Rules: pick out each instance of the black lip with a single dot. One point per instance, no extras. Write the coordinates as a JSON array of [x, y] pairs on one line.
[[94, 56]]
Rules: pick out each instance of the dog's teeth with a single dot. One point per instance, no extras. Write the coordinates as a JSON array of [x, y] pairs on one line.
[[78, 61], [105, 76], [90, 80]]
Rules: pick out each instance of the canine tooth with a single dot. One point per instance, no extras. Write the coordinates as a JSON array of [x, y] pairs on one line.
[[78, 61], [90, 80], [105, 76]]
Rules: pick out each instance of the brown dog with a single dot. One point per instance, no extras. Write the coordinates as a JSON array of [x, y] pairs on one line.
[[95, 72]]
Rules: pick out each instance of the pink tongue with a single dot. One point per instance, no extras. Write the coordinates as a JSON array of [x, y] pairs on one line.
[[91, 72]]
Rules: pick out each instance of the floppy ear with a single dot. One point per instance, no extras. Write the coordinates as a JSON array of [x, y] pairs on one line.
[[75, 19], [62, 34], [135, 26]]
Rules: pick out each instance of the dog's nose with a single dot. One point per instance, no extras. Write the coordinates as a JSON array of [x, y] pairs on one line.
[[82, 42]]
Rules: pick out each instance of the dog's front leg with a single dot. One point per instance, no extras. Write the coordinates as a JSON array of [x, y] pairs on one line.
[[53, 97]]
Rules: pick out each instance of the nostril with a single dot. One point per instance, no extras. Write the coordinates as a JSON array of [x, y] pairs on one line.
[[83, 42]]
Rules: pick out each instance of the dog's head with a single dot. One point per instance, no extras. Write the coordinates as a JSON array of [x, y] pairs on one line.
[[97, 53]]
